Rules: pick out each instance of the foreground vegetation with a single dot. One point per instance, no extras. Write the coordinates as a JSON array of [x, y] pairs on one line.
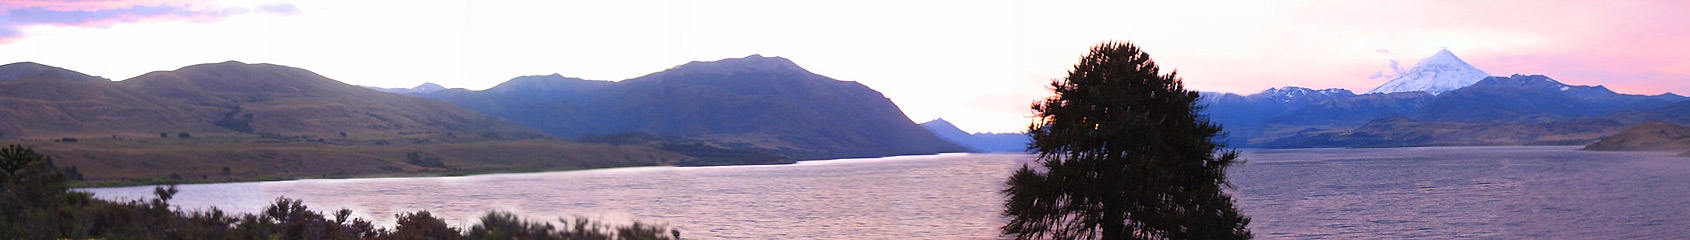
[[35, 203]]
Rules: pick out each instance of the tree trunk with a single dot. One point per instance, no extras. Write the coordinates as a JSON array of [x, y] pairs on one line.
[[1114, 223]]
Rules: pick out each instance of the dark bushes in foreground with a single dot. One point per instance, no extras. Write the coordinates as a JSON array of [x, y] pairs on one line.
[[35, 204]]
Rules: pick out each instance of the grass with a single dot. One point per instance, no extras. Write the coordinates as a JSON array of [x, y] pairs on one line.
[[121, 161]]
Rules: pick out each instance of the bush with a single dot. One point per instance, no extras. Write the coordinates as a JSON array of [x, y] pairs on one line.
[[35, 204]]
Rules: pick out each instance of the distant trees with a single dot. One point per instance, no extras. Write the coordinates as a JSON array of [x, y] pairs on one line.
[[1123, 154], [35, 204], [423, 159]]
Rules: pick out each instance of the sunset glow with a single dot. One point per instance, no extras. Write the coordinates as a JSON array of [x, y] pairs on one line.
[[978, 64]]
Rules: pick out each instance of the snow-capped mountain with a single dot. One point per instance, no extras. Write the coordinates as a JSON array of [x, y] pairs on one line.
[[1442, 72]]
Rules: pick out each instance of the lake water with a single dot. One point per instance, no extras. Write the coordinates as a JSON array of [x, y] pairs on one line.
[[1439, 192]]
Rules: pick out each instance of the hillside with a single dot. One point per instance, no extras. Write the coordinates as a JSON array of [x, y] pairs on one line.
[[250, 117], [754, 103], [1406, 132], [1650, 136]]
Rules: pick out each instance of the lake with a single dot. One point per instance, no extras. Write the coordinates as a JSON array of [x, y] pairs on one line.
[[1434, 192]]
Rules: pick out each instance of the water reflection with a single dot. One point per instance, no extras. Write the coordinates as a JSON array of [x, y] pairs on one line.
[[945, 196], [1446, 192]]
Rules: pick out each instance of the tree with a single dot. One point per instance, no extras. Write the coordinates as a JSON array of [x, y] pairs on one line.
[[1123, 154], [30, 187]]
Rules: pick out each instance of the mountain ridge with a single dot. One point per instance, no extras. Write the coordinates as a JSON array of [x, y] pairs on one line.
[[20, 70]]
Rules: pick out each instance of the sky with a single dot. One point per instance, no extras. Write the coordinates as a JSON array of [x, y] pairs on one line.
[[977, 64]]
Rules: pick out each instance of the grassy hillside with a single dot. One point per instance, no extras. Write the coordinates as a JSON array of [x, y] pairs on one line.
[[265, 121], [1650, 136], [127, 161]]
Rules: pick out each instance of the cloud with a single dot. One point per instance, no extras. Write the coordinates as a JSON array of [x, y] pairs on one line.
[[90, 5], [24, 14]]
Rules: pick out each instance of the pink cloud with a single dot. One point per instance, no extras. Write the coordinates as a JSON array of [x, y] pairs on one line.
[[1630, 46], [19, 15]]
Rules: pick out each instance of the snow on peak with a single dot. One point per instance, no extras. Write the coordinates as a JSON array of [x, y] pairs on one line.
[[1442, 72]]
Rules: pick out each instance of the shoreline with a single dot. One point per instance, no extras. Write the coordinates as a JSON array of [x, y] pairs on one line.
[[261, 179]]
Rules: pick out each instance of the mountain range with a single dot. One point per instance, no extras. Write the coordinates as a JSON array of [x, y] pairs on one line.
[[755, 103], [237, 121], [1436, 104]]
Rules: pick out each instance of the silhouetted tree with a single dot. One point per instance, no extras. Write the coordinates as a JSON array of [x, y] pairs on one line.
[[1123, 154]]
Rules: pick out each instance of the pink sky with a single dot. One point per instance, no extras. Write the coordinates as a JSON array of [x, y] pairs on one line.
[[976, 63]]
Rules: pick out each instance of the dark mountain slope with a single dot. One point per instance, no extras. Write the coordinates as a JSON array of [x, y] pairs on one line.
[[1533, 99], [1676, 113], [982, 142], [1354, 111], [551, 103]]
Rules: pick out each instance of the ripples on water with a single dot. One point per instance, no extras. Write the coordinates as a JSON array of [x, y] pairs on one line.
[[1476, 192], [1465, 192]]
